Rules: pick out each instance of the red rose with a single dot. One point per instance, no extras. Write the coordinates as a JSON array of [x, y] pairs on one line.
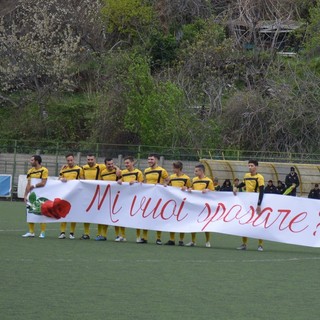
[[61, 207], [56, 209], [47, 209]]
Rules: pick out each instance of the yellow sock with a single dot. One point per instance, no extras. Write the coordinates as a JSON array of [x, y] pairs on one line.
[[159, 234], [260, 242], [138, 233], [63, 227], [104, 229], [145, 234], [72, 227], [245, 240], [43, 227], [207, 236], [193, 237], [172, 236], [181, 236], [99, 229], [117, 231], [86, 228], [31, 227], [123, 232]]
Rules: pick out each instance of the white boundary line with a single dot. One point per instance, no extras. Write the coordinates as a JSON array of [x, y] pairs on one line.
[[161, 261]]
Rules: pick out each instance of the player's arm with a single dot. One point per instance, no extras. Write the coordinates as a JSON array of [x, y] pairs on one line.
[[61, 175], [81, 174], [30, 187], [27, 190], [140, 177], [261, 193], [119, 176], [41, 184], [235, 189], [118, 171], [44, 179], [167, 182], [165, 177], [210, 187]]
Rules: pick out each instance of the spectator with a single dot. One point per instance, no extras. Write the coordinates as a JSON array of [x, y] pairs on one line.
[[226, 186], [281, 188], [216, 184], [236, 183], [315, 192], [270, 188], [292, 183]]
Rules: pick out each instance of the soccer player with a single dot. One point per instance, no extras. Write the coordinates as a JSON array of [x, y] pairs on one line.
[[131, 175], [205, 184], [91, 171], [70, 171], [178, 179], [254, 182], [39, 172], [109, 173], [154, 174]]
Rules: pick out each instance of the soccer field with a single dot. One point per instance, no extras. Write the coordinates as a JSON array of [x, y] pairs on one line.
[[72, 279]]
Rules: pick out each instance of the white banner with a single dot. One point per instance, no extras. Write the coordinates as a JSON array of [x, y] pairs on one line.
[[155, 207]]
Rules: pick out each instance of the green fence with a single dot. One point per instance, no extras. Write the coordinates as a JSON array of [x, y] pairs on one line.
[[142, 151]]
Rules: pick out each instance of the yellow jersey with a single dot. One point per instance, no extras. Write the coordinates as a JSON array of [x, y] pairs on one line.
[[180, 181], [109, 175], [201, 184], [253, 182], [73, 173], [156, 175], [92, 173], [41, 173], [134, 175]]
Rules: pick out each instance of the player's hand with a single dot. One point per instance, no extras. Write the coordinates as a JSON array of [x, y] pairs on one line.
[[235, 190], [258, 210]]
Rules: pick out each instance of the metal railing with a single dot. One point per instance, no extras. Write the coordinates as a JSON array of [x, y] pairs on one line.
[[142, 151]]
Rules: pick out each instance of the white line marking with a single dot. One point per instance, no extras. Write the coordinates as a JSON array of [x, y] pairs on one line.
[[31, 260]]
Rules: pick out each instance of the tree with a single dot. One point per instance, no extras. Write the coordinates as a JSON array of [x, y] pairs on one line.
[[128, 20], [312, 44], [42, 45], [283, 118]]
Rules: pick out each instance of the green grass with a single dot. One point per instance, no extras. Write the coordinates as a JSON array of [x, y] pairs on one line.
[[63, 279]]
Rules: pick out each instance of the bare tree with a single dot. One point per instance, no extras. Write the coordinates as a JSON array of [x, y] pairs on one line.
[[262, 23], [283, 118]]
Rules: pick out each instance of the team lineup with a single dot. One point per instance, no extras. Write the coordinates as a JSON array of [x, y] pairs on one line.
[[154, 174]]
